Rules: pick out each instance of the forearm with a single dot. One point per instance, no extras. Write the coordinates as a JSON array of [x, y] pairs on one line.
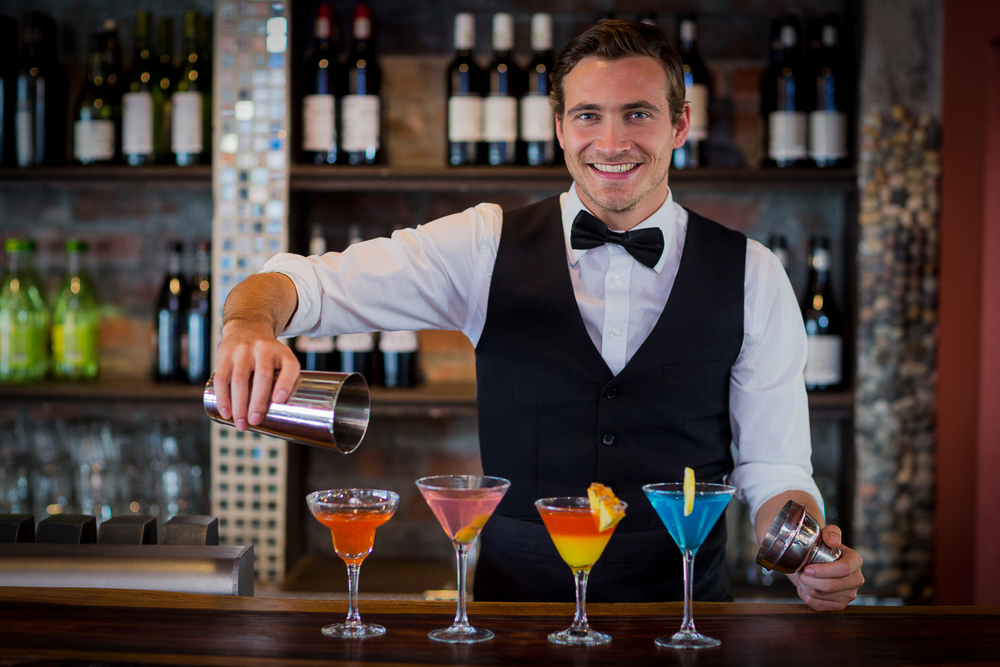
[[267, 299]]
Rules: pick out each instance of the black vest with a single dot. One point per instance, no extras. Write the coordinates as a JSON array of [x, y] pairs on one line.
[[553, 418]]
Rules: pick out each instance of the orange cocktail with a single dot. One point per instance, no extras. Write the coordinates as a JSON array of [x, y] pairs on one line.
[[353, 531], [574, 530]]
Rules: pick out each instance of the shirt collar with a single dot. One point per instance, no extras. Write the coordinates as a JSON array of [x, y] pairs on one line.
[[664, 219]]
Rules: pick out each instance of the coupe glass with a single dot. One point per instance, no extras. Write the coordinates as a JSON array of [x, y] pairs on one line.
[[352, 515], [462, 504], [575, 531], [689, 532]]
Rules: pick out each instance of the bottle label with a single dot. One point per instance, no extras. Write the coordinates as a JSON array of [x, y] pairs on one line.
[[93, 140], [320, 344], [499, 119], [537, 123], [827, 135], [358, 342], [823, 364], [398, 341], [788, 131], [24, 132], [16, 344], [74, 344], [185, 123], [465, 118], [137, 123], [361, 122], [318, 123], [697, 95]]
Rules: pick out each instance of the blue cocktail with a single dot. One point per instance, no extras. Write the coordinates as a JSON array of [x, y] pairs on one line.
[[689, 532]]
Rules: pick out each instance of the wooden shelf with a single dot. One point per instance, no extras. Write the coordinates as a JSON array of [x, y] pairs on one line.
[[335, 178]]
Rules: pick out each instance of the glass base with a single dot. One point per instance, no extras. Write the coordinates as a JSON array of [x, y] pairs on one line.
[[687, 640], [584, 637], [460, 635], [345, 631]]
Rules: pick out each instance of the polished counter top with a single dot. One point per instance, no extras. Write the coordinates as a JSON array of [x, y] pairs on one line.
[[47, 625]]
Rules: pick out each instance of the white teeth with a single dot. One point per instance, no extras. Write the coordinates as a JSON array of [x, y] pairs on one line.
[[614, 168]]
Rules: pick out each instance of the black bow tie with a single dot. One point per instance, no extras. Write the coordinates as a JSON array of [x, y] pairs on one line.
[[645, 245]]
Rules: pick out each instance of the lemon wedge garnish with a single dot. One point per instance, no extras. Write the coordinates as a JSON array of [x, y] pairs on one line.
[[468, 534], [688, 491], [605, 506]]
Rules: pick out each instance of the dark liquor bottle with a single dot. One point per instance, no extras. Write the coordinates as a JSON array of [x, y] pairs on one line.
[[784, 99], [828, 120], [779, 246], [197, 354], [538, 133], [465, 97], [319, 353], [321, 81], [357, 350], [502, 92], [142, 104], [164, 80], [824, 326], [189, 101], [697, 93], [112, 57], [96, 118], [39, 115], [8, 88], [398, 351], [169, 325], [361, 105]]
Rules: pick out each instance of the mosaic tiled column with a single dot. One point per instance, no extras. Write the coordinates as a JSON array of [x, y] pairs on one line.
[[250, 175], [897, 342]]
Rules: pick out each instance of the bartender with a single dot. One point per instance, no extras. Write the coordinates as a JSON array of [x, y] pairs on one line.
[[619, 339]]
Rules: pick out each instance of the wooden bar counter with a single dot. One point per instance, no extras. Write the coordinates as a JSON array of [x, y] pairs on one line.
[[82, 626]]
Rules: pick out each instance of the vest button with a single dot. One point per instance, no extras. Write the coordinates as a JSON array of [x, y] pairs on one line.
[[608, 439], [611, 393]]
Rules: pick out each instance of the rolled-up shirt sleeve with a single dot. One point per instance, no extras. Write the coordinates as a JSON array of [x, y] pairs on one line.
[[769, 409], [430, 277]]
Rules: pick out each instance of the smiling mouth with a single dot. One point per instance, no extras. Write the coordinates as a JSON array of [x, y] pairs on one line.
[[615, 168]]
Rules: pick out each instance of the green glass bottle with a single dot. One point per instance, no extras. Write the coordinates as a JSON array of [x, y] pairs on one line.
[[76, 320], [23, 318], [188, 101]]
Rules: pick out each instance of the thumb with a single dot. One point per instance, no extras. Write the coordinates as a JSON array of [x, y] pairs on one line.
[[832, 536]]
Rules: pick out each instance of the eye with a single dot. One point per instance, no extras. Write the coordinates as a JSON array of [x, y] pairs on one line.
[[638, 115], [586, 115]]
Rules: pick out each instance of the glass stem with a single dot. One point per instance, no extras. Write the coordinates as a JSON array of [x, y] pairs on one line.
[[580, 620], [461, 560], [687, 626], [353, 617]]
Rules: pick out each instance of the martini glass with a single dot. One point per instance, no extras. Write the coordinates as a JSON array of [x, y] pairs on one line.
[[574, 530], [462, 504], [689, 532], [352, 515]]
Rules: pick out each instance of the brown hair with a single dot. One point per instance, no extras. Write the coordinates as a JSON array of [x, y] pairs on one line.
[[613, 39]]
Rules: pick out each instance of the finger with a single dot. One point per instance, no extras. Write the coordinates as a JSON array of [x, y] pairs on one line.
[[240, 389], [850, 561], [287, 376], [832, 535], [221, 386], [260, 397]]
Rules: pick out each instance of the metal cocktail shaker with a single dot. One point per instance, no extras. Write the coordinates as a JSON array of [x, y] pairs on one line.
[[324, 410], [794, 541]]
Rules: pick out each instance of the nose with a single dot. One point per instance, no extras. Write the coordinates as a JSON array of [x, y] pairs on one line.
[[613, 138]]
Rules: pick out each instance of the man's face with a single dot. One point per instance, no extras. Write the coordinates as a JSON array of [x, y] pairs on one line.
[[617, 136]]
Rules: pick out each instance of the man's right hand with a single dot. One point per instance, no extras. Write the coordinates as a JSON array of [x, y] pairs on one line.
[[256, 311]]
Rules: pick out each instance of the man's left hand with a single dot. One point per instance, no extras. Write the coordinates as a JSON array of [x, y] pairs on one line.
[[831, 586]]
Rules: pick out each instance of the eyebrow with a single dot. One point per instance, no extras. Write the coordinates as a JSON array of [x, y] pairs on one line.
[[628, 106]]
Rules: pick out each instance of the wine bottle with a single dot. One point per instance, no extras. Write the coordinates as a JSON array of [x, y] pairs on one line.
[[23, 318], [96, 118], [76, 320], [165, 76], [828, 120], [778, 245], [503, 88], [361, 105], [142, 105], [538, 134], [203, 30], [169, 325], [39, 116], [8, 88], [783, 99], [357, 350], [824, 326], [111, 48], [189, 101], [321, 81], [697, 86], [319, 353], [465, 97], [398, 351], [196, 355]]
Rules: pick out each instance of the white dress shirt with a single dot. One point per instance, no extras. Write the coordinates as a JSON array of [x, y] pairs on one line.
[[438, 275]]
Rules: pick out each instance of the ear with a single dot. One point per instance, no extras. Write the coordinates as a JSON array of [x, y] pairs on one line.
[[559, 133], [682, 127]]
